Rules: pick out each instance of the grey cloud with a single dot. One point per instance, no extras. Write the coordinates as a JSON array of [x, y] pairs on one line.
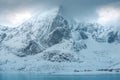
[[80, 8]]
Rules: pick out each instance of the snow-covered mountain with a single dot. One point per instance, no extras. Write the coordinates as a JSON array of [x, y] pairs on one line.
[[50, 42]]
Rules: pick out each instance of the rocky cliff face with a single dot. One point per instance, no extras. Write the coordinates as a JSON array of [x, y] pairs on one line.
[[38, 33]]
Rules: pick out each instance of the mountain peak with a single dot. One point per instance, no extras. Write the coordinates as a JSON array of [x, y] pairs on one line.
[[60, 9]]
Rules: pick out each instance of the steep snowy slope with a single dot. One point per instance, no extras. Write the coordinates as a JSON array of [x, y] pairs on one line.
[[38, 33], [50, 43]]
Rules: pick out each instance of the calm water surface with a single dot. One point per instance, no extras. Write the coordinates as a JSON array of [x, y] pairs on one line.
[[32, 76]]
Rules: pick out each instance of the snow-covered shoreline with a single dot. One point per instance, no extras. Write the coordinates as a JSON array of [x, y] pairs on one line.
[[61, 73]]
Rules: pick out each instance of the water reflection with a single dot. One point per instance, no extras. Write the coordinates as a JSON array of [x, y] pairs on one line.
[[37, 76]]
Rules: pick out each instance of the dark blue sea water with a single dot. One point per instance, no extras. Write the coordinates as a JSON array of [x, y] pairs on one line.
[[32, 76]]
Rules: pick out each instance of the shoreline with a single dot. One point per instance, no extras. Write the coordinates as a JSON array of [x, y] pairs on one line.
[[60, 73]]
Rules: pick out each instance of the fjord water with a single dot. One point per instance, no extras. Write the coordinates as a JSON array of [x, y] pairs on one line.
[[32, 76]]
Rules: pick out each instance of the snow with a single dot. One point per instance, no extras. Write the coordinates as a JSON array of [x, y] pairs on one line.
[[72, 55]]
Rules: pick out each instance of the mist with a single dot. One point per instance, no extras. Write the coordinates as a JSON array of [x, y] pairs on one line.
[[81, 10]]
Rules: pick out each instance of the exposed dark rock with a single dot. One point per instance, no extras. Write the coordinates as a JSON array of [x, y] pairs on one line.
[[83, 35], [56, 36], [112, 37], [59, 21], [32, 48], [109, 70], [57, 56], [78, 46], [76, 70], [87, 70], [2, 36], [21, 68], [100, 40], [59, 30]]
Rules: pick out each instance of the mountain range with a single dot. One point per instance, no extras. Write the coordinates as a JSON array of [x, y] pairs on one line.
[[53, 43]]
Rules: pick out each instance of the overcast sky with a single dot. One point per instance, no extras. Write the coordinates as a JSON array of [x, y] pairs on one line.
[[88, 10]]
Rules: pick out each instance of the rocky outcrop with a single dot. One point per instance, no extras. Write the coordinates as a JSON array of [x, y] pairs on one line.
[[58, 56], [2, 36], [32, 48]]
